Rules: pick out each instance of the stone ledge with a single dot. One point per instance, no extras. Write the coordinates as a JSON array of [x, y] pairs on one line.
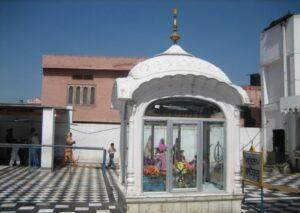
[[159, 198]]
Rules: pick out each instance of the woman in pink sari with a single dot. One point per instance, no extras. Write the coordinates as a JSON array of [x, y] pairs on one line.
[[162, 150]]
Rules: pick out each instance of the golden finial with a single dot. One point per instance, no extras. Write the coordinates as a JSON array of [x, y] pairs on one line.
[[175, 36]]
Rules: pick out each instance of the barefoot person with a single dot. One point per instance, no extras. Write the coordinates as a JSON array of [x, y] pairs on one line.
[[69, 151]]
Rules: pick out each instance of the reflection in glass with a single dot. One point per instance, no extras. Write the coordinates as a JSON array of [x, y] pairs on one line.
[[213, 156], [184, 107], [155, 147], [184, 154]]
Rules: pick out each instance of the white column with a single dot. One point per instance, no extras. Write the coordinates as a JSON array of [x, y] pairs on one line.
[[70, 111], [130, 167], [233, 149], [264, 122], [47, 137], [122, 143]]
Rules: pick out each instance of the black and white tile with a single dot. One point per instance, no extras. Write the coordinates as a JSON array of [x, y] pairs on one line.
[[82, 189], [86, 189], [274, 200]]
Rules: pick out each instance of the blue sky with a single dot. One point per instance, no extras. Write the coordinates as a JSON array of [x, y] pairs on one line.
[[223, 32]]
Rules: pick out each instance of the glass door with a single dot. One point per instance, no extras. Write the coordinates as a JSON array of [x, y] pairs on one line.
[[155, 147], [213, 156], [183, 155]]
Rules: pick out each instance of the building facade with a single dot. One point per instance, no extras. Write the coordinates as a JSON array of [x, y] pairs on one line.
[[251, 114], [280, 70], [85, 85]]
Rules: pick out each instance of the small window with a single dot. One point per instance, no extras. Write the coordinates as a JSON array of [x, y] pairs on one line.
[[77, 76], [88, 77], [85, 93], [70, 95], [77, 98], [92, 99], [81, 76]]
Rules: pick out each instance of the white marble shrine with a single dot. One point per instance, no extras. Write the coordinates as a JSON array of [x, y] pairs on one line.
[[179, 135]]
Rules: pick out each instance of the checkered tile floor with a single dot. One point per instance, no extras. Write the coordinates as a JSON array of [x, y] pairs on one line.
[[83, 189], [87, 189], [274, 201]]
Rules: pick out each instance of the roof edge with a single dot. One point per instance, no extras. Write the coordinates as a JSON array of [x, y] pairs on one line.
[[279, 20]]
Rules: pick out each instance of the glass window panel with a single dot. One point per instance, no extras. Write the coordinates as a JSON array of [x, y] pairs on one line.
[[184, 107], [77, 76], [213, 156], [85, 91], [155, 148], [88, 77], [70, 95], [77, 98], [92, 99], [184, 154]]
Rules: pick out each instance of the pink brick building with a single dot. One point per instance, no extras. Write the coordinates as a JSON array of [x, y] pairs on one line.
[[85, 83], [251, 115]]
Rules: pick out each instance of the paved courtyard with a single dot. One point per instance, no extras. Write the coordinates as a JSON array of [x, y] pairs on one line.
[[274, 200], [87, 189], [84, 188]]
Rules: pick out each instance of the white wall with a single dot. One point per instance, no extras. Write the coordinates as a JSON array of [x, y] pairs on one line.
[[294, 28], [274, 81], [95, 135], [275, 121], [271, 45]]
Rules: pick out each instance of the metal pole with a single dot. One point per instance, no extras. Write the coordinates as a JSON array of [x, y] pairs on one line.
[[104, 161], [29, 158], [262, 199], [243, 190]]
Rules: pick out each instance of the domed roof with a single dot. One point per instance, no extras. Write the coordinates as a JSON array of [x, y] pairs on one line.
[[176, 61], [176, 71]]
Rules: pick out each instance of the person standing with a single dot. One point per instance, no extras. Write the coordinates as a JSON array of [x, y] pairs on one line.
[[69, 151], [111, 153], [14, 155], [34, 151]]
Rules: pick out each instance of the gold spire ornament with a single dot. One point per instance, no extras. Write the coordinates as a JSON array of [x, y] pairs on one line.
[[175, 36]]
